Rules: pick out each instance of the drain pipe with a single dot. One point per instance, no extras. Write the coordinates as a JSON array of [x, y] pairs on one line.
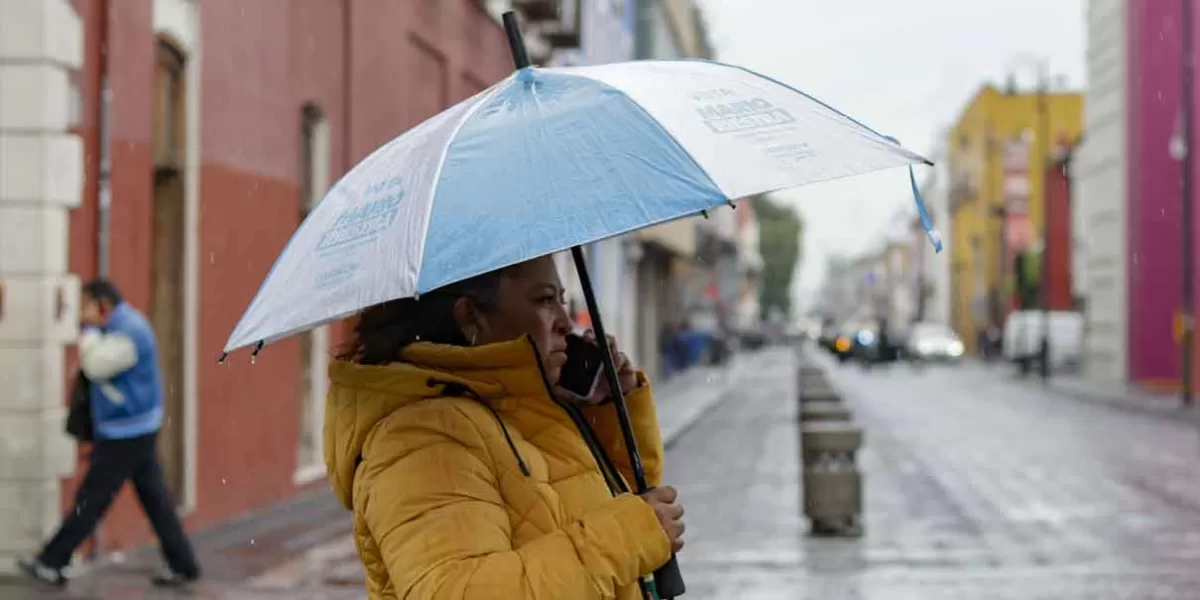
[[103, 213], [104, 153]]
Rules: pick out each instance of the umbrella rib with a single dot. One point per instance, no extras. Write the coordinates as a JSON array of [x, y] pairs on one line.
[[437, 175]]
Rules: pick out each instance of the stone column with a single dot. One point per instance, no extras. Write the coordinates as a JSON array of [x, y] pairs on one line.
[[41, 179]]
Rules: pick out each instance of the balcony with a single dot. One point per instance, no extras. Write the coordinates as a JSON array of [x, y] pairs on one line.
[[962, 190], [562, 36], [564, 30], [537, 11]]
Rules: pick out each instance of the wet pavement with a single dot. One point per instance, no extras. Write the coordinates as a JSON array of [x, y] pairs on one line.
[[976, 486]]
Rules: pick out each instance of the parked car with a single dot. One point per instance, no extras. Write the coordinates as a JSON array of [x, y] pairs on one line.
[[932, 342], [1023, 337], [839, 341], [860, 342]]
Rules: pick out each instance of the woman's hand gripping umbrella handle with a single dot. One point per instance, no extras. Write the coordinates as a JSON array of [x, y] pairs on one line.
[[668, 581]]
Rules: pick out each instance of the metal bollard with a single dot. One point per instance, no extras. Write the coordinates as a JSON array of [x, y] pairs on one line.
[[832, 482], [826, 410]]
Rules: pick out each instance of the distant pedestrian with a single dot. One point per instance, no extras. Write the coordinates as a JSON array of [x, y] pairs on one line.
[[671, 347], [118, 356]]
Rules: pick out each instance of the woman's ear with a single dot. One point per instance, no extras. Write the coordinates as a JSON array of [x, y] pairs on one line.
[[466, 316]]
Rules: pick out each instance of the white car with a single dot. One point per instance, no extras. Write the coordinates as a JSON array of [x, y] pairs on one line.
[[933, 342]]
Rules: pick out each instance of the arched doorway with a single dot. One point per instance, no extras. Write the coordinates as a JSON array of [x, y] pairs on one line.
[[167, 252]]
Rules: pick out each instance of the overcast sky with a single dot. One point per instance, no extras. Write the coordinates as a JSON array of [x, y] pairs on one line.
[[905, 68]]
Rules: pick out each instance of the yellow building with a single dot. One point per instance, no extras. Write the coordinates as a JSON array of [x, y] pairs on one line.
[[997, 124]]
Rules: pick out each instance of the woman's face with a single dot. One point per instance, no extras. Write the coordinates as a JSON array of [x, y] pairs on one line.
[[529, 301]]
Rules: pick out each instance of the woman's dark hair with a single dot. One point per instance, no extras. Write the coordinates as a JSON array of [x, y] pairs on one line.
[[102, 290], [385, 329]]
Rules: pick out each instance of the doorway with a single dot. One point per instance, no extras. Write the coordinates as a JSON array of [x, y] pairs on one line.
[[167, 254], [314, 344]]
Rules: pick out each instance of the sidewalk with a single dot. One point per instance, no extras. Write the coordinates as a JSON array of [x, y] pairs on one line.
[[1125, 397], [685, 398], [303, 547]]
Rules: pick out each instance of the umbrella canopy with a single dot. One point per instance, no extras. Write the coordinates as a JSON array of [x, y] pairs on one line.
[[545, 160]]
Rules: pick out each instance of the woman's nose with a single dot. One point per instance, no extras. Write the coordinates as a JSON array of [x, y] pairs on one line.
[[562, 321]]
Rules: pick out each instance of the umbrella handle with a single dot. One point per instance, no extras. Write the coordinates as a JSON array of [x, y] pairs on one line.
[[668, 580]]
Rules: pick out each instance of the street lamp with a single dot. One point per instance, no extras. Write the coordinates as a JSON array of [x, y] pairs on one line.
[[1043, 117], [1181, 149]]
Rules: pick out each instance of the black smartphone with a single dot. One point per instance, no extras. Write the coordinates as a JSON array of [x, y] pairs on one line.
[[581, 374]]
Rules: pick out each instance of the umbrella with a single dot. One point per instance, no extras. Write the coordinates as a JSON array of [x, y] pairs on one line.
[[551, 159]]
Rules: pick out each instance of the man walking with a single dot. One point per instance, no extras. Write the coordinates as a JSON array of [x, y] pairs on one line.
[[119, 357]]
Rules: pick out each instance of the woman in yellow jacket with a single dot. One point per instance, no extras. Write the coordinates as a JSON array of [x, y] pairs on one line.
[[470, 473]]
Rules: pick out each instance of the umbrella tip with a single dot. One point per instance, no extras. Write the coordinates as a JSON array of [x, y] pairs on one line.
[[254, 355], [221, 360]]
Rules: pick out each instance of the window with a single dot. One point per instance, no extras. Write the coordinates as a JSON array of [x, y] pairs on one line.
[[168, 109]]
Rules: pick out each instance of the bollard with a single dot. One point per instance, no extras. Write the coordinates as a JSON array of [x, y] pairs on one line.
[[819, 392], [810, 381], [816, 411], [807, 370], [832, 482]]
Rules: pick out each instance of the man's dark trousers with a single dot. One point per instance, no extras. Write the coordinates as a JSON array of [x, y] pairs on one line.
[[112, 463]]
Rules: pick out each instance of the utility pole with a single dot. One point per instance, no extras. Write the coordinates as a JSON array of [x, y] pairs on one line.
[[1044, 142], [1186, 130]]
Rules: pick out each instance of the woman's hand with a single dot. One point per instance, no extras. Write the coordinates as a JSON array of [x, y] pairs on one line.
[[626, 374], [669, 512]]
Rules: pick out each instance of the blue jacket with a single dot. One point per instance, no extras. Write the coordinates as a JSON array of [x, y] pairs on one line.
[[121, 361]]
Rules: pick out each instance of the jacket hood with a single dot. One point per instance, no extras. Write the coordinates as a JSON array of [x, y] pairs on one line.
[[360, 396]]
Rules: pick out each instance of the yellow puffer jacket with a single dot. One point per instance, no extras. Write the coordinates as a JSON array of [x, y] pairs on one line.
[[468, 480]]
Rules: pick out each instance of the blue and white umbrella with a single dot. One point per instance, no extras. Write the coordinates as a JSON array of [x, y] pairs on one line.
[[545, 160]]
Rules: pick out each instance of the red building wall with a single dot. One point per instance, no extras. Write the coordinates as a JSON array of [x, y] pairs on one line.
[[261, 62], [1058, 190]]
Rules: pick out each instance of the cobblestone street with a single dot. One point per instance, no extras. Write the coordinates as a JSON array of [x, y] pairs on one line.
[[977, 486]]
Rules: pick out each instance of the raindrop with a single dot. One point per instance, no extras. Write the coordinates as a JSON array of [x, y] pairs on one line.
[[251, 541], [222, 481], [1135, 258], [1159, 93], [212, 258]]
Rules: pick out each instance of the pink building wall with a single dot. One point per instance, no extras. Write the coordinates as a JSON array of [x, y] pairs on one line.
[[1154, 259]]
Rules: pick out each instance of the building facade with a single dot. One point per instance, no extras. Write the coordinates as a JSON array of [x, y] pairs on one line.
[[41, 181], [211, 129], [1154, 204], [1128, 202], [1099, 198], [995, 154], [934, 297]]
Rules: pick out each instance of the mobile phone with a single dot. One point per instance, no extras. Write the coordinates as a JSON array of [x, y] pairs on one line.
[[581, 374]]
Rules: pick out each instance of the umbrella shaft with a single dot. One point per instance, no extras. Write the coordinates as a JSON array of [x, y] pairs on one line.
[[610, 371]]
